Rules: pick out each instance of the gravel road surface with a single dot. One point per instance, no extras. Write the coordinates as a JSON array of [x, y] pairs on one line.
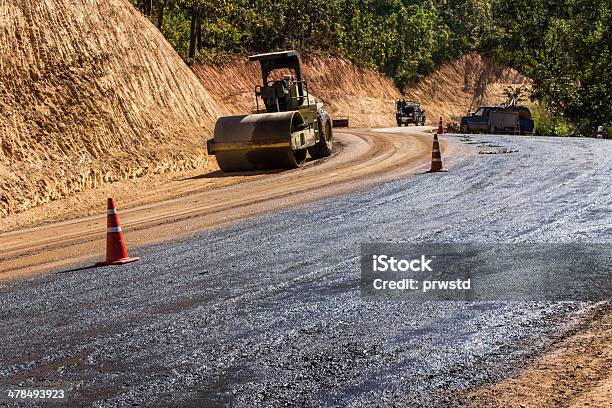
[[194, 203], [268, 312]]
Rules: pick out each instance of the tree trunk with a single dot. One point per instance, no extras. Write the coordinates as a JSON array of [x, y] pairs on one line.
[[145, 6], [199, 31], [160, 15], [192, 34]]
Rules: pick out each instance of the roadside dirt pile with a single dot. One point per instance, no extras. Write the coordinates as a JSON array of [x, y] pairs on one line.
[[91, 93], [575, 373], [365, 96], [460, 86]]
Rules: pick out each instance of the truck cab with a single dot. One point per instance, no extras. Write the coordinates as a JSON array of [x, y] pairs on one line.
[[478, 121]]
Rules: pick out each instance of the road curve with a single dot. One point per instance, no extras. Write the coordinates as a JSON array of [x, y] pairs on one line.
[[367, 157], [267, 311]]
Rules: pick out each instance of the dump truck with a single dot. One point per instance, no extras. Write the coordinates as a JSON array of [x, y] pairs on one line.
[[286, 125], [498, 119], [409, 112]]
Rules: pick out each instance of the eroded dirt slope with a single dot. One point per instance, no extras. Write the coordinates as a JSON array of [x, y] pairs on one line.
[[367, 96], [462, 85], [90, 92], [364, 95]]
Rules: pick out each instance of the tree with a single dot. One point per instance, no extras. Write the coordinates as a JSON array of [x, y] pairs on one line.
[[195, 16], [145, 6], [161, 5], [564, 47]]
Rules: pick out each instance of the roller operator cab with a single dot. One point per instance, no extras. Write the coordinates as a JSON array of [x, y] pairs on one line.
[[286, 124]]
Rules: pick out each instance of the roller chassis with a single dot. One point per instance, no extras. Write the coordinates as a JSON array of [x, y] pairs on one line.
[[286, 123]]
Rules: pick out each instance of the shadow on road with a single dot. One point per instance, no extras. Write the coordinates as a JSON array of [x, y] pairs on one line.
[[82, 268], [221, 174]]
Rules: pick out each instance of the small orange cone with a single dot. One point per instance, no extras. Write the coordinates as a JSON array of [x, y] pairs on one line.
[[440, 127], [116, 252], [436, 157]]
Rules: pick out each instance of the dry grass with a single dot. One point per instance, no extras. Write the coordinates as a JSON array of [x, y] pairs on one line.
[[91, 93]]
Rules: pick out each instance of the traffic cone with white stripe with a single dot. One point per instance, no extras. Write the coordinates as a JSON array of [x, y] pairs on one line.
[[116, 252], [440, 127], [436, 156]]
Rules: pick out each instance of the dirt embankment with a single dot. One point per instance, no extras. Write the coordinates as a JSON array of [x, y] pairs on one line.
[[575, 374], [457, 87], [91, 93], [364, 95]]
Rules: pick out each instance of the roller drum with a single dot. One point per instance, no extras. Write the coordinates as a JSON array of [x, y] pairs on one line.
[[256, 142]]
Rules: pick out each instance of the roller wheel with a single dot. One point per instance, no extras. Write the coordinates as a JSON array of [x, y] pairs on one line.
[[323, 148]]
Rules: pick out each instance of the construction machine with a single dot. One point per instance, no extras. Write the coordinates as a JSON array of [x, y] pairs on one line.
[[286, 124], [409, 112]]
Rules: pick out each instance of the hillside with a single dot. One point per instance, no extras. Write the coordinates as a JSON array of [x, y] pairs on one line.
[[347, 90], [365, 95], [91, 92], [457, 87]]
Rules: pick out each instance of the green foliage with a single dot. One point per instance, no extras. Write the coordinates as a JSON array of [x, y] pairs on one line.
[[176, 28], [564, 46], [404, 39], [548, 124]]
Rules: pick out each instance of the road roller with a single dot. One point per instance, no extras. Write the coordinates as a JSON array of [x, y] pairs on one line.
[[286, 126]]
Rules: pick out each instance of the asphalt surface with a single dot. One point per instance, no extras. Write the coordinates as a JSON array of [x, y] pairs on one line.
[[268, 312], [183, 206]]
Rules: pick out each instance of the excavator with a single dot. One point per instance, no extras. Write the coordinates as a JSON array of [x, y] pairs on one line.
[[287, 125]]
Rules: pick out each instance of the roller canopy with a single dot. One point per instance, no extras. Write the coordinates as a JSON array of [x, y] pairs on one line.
[[280, 60]]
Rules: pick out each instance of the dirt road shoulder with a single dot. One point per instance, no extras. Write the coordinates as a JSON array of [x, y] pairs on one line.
[[576, 373], [196, 204]]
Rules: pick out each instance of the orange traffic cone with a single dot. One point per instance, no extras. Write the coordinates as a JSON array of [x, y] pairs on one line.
[[116, 252], [436, 157], [440, 127]]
